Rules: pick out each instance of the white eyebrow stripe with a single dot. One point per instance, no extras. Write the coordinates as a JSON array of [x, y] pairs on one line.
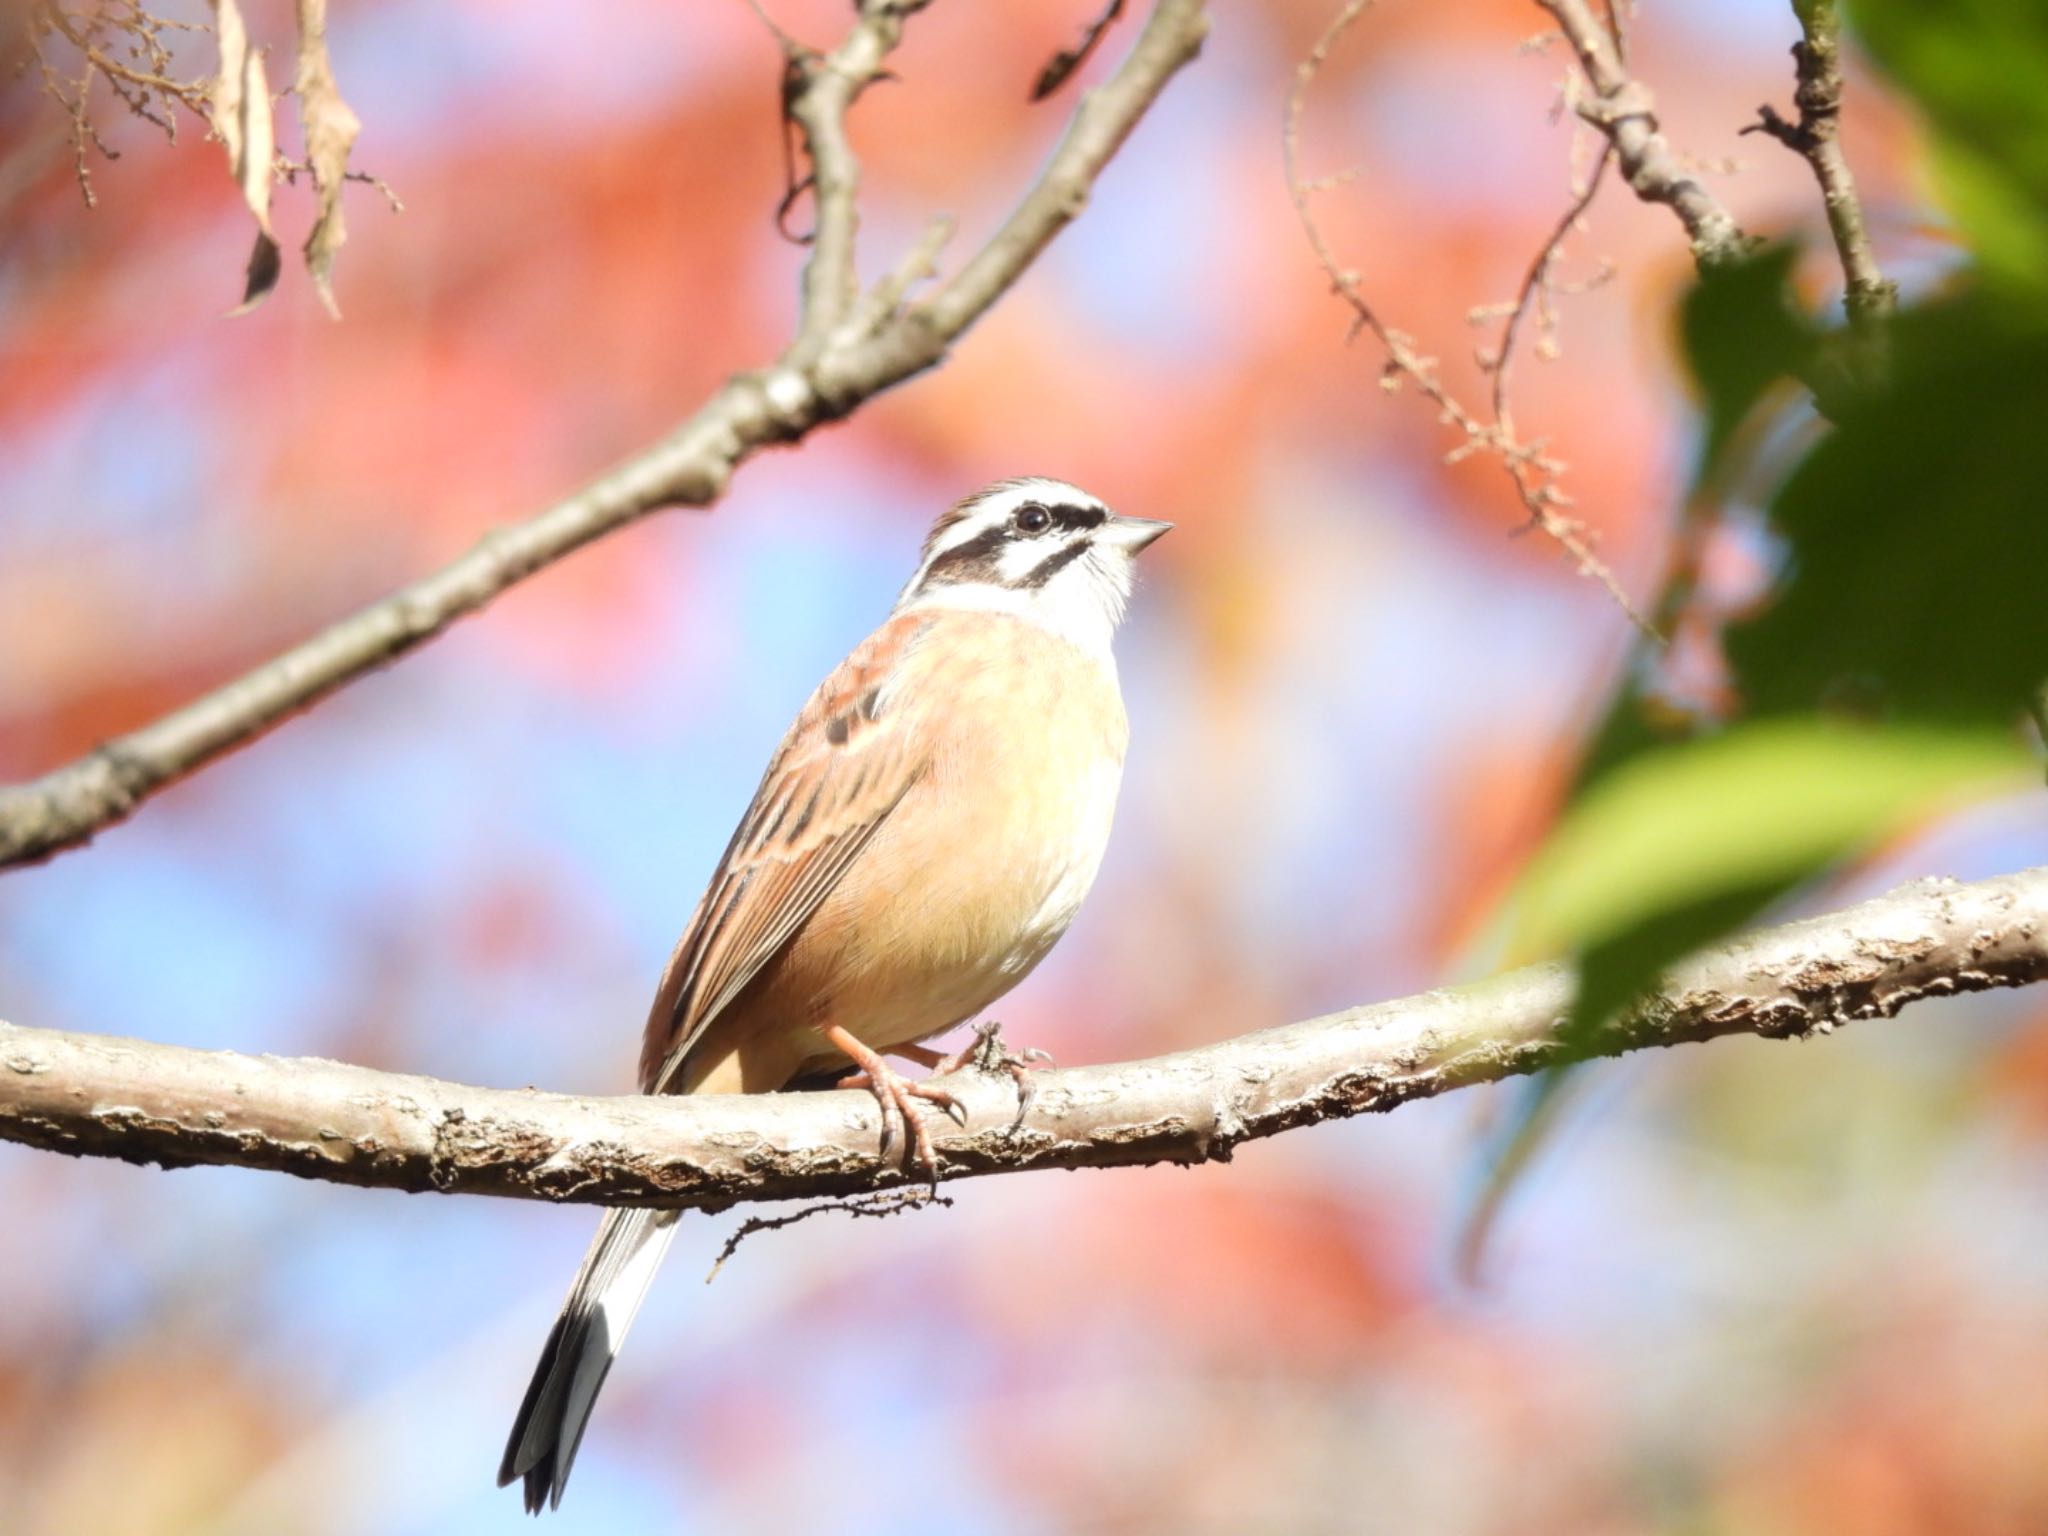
[[992, 509]]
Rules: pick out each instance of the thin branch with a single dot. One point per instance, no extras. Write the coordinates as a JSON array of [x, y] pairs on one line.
[[1101, 122], [1059, 69], [822, 90], [146, 88], [145, 1103], [878, 1203], [1869, 297], [1536, 290], [1622, 108], [832, 367], [149, 86], [1533, 472]]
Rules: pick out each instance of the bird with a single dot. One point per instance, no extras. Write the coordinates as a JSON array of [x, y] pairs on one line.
[[921, 838]]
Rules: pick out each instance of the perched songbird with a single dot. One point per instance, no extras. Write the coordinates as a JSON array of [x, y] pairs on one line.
[[920, 840]]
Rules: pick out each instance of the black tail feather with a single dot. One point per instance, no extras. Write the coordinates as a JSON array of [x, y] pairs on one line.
[[579, 1353]]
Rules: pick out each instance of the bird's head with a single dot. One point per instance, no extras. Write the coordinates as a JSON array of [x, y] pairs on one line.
[[1039, 550]]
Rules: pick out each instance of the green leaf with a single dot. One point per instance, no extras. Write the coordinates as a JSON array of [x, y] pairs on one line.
[[1682, 843], [2007, 233], [1741, 333], [1636, 722], [1979, 69], [1918, 540]]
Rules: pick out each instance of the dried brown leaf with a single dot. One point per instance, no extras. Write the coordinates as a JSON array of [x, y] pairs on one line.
[[232, 38], [331, 127], [241, 118]]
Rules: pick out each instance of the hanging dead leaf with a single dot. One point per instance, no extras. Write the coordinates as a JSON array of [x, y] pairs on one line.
[[331, 128], [232, 38], [242, 122]]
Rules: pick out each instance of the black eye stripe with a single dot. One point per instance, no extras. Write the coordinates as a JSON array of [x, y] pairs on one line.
[[979, 558], [1077, 517], [1035, 518]]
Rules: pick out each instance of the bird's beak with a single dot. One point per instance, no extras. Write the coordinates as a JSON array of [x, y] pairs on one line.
[[1131, 534]]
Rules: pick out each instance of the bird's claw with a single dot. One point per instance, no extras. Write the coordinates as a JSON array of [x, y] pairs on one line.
[[988, 1053], [897, 1097]]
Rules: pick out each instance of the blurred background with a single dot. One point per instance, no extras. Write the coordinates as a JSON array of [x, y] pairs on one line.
[[1754, 1287]]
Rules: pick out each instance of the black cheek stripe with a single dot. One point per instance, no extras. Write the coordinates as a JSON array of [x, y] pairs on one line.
[[982, 547], [1052, 565]]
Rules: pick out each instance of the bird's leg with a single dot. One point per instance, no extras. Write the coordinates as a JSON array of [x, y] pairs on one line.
[[898, 1098], [987, 1052]]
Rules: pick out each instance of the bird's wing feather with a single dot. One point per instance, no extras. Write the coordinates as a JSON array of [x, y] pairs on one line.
[[846, 763]]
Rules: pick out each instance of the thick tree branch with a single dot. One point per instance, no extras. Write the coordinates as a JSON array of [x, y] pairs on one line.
[[1816, 138], [846, 350], [158, 1103], [1623, 109]]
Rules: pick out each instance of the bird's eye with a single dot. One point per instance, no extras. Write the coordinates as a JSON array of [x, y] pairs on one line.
[[1033, 519]]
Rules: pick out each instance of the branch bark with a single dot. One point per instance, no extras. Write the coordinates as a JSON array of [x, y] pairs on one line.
[[148, 1103], [1623, 109], [1817, 59], [846, 349]]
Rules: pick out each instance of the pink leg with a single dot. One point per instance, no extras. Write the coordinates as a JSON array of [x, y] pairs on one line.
[[898, 1098]]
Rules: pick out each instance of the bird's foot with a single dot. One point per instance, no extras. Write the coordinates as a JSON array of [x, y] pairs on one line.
[[901, 1102], [988, 1052]]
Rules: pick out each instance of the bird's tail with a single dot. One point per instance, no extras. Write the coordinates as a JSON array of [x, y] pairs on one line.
[[608, 1291]]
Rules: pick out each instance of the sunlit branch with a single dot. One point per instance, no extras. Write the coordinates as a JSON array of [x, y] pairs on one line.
[[1623, 109], [1816, 138], [148, 1103], [846, 350]]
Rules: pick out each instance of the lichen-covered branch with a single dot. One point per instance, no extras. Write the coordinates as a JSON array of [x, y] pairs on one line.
[[1817, 138], [846, 350], [1623, 109], [166, 1104]]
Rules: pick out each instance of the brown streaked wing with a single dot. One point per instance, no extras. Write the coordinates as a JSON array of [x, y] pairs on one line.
[[843, 767]]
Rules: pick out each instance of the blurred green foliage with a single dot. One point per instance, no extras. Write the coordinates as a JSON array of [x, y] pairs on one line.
[[1915, 528], [1979, 71], [1742, 334], [1694, 837], [1887, 671]]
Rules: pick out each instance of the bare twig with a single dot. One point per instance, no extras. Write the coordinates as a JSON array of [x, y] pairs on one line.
[[1623, 109], [145, 86], [1535, 294], [1868, 296], [146, 1103], [842, 355], [821, 89], [1533, 472], [1061, 66], [872, 1202], [289, 172]]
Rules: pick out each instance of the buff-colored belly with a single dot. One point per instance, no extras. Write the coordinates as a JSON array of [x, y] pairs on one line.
[[964, 889]]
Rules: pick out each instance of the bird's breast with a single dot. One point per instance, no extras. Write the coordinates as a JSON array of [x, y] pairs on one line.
[[980, 869]]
